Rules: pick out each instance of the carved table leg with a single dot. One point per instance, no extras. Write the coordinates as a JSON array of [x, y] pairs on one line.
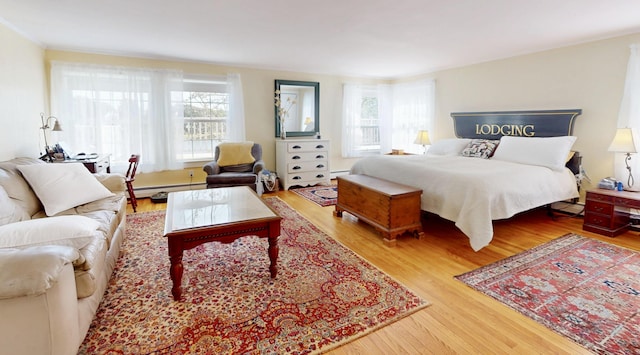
[[273, 255], [176, 275]]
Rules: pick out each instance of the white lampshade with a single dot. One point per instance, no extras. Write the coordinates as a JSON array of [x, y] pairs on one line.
[[422, 138], [623, 141]]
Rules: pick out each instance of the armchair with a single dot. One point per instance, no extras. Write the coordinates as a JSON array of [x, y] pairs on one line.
[[233, 166]]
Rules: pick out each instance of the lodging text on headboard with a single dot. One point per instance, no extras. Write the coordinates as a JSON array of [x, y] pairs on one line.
[[493, 125]]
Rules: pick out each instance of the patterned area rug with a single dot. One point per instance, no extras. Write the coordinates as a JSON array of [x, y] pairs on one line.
[[322, 195], [324, 295], [584, 289]]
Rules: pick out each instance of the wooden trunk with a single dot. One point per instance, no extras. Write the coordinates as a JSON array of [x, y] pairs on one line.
[[391, 208]]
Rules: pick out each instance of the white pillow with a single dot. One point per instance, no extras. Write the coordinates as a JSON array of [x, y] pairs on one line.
[[448, 146], [61, 186], [551, 152], [73, 231]]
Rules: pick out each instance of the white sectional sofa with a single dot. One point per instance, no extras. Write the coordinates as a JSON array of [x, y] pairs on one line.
[[60, 236]]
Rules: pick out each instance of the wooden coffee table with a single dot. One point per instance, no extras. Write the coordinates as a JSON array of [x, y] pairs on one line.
[[216, 215]]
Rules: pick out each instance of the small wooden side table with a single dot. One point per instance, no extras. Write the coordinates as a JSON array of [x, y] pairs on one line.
[[605, 211]]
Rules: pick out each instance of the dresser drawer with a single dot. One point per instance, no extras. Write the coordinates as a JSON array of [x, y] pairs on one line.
[[307, 177], [599, 197], [293, 147], [617, 220], [624, 202], [599, 207], [320, 165], [295, 157]]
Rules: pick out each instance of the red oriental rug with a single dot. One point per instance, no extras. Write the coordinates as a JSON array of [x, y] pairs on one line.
[[324, 295], [584, 289], [322, 195]]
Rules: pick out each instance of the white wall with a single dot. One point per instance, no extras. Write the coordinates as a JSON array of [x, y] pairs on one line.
[[22, 95]]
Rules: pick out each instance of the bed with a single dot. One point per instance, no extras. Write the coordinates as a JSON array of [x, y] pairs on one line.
[[499, 164]]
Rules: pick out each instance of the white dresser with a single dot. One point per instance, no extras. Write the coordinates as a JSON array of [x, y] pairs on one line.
[[302, 162]]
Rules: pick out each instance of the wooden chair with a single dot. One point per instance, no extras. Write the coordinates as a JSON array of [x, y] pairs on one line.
[[130, 178]]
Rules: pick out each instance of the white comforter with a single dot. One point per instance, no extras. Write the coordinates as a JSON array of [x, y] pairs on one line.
[[472, 191]]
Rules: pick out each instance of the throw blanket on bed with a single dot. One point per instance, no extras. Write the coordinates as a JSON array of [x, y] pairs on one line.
[[473, 192]]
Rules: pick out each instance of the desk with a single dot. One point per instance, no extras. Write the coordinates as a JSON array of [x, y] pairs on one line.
[[606, 211], [95, 165]]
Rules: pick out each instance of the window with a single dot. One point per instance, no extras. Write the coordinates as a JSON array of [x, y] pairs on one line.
[[166, 118], [206, 112], [369, 126], [379, 118]]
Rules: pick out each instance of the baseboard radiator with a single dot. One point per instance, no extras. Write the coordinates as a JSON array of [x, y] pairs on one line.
[[144, 192]]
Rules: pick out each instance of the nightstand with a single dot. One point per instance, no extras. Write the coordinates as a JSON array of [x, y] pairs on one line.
[[606, 211]]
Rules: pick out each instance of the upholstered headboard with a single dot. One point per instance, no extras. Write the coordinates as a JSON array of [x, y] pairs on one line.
[[493, 125], [542, 123]]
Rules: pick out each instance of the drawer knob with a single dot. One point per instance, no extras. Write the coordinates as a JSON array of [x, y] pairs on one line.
[[296, 178], [296, 168], [319, 156], [320, 166], [320, 176], [598, 208], [296, 147], [295, 157], [319, 146]]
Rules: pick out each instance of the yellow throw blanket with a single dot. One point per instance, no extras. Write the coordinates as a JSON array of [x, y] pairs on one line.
[[235, 153]]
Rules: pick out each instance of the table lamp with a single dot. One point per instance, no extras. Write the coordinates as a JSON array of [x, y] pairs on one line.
[[623, 142], [45, 126], [423, 139]]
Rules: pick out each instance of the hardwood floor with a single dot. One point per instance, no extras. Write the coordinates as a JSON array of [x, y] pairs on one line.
[[459, 320]]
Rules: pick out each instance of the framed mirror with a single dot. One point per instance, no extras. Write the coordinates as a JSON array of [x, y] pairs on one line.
[[299, 108]]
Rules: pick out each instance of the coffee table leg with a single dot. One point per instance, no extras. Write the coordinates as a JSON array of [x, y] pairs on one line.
[[273, 256], [176, 275]]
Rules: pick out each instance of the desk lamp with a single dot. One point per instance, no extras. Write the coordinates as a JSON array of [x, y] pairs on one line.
[[423, 139], [623, 142], [45, 126]]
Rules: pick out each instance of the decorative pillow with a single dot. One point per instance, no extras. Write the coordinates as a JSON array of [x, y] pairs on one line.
[[480, 148], [72, 231], [449, 146], [61, 186], [551, 152], [235, 153]]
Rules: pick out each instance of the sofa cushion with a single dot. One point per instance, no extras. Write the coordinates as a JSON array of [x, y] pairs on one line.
[[10, 211], [61, 186], [72, 231], [15, 185]]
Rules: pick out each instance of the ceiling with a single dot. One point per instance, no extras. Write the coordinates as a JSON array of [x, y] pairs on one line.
[[364, 38]]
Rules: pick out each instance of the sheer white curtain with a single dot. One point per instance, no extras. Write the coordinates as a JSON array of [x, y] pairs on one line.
[[351, 120], [235, 122], [403, 109], [413, 109], [120, 111], [629, 116]]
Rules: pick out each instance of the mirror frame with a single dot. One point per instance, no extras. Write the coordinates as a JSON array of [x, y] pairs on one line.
[[316, 121]]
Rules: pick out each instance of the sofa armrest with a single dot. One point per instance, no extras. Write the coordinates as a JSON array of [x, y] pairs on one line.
[[258, 166], [113, 182], [32, 270], [211, 168]]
